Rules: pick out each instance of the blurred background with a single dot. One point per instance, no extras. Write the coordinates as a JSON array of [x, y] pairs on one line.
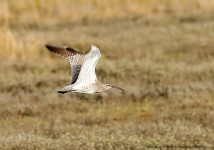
[[160, 52]]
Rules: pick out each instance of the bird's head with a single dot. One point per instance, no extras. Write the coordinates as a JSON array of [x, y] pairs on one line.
[[108, 86]]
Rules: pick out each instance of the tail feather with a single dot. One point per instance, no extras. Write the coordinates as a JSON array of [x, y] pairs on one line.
[[64, 90]]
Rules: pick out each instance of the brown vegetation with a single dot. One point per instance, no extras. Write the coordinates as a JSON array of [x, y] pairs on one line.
[[160, 52]]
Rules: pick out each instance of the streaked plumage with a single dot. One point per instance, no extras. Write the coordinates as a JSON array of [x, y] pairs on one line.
[[84, 79]]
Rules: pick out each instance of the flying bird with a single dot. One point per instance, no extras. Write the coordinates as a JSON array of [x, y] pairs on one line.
[[84, 79]]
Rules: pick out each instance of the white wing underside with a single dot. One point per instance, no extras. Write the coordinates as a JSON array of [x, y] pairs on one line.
[[87, 73]]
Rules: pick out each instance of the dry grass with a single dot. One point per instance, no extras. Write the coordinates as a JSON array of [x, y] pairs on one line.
[[160, 52]]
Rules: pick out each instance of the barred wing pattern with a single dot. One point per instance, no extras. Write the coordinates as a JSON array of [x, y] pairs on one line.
[[74, 56], [87, 73]]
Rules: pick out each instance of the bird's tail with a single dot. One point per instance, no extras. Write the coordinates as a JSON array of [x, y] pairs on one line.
[[64, 89]]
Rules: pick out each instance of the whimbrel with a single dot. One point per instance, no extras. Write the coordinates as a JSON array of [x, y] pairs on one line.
[[84, 78]]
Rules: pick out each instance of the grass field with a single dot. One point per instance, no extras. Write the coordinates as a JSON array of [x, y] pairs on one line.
[[160, 52]]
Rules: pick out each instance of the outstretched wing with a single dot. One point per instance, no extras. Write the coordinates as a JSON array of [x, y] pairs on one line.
[[74, 56], [87, 74]]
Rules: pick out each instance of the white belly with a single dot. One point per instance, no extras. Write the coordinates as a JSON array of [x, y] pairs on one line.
[[84, 88]]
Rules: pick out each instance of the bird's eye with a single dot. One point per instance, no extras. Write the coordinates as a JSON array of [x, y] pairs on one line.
[[108, 85]]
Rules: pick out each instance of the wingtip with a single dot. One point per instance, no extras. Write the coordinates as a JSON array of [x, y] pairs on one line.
[[93, 47], [47, 46], [51, 46]]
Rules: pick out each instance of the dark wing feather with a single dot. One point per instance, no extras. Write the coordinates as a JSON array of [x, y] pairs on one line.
[[74, 56]]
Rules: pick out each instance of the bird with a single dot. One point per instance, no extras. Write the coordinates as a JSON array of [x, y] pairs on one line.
[[84, 79]]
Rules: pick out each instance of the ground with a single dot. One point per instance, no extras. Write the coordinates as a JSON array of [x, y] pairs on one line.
[[163, 59]]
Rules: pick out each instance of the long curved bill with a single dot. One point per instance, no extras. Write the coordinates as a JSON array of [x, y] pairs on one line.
[[117, 88]]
